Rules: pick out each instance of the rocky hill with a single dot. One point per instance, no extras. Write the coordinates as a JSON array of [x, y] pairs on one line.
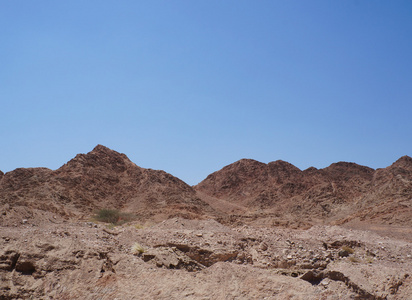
[[343, 192], [102, 178], [233, 236], [246, 191]]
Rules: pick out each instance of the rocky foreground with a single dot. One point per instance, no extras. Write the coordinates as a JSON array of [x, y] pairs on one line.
[[200, 259]]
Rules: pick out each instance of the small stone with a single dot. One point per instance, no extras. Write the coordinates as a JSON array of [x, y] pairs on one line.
[[199, 234], [325, 282], [24, 221], [290, 243], [289, 256], [263, 246]]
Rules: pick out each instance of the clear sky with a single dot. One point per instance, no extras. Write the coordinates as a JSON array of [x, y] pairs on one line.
[[191, 86]]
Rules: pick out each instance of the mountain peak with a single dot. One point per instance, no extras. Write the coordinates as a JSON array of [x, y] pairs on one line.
[[244, 165], [404, 161], [247, 161], [283, 169], [345, 170], [281, 164], [347, 166], [310, 170], [101, 148], [101, 156]]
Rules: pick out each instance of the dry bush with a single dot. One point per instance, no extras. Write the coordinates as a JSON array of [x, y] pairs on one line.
[[137, 249], [113, 216], [348, 249]]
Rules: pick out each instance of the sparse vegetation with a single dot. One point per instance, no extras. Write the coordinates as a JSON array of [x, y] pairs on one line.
[[348, 249], [108, 216], [137, 249], [113, 216], [110, 226], [354, 259]]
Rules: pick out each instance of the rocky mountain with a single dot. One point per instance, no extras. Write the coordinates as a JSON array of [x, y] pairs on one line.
[[247, 191], [389, 199], [102, 178], [233, 236], [337, 194]]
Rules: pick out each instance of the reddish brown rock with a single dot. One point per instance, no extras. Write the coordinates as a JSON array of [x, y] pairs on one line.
[[245, 247], [102, 178], [343, 192]]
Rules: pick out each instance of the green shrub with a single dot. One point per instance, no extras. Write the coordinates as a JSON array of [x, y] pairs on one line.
[[113, 216], [110, 226], [139, 226], [108, 216]]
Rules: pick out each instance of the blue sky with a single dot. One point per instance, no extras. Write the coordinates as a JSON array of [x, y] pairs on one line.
[[191, 86]]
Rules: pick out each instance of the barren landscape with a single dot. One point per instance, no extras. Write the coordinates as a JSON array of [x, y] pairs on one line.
[[248, 231]]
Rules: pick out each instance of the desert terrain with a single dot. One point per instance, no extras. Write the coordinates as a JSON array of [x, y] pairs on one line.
[[248, 231]]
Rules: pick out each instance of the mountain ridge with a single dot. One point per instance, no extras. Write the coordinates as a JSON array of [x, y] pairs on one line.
[[277, 192], [339, 193]]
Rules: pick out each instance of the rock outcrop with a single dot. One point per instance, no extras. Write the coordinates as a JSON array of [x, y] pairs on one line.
[[200, 259]]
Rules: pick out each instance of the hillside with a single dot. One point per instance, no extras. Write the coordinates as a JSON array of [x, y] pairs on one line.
[[102, 178], [344, 192], [249, 231], [277, 193]]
